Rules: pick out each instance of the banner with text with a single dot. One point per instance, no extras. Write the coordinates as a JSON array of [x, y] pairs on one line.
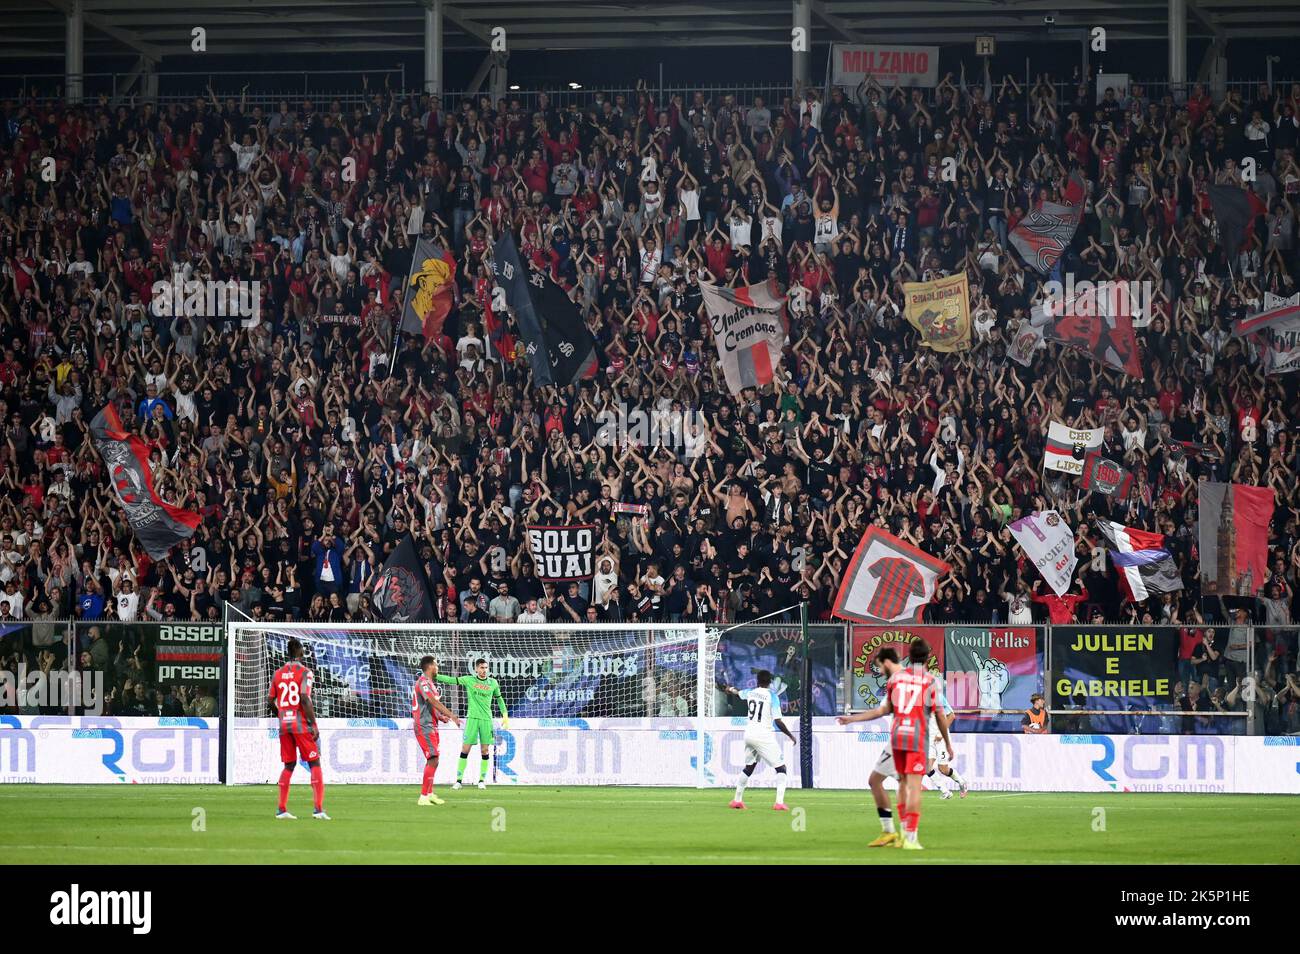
[[563, 554], [991, 668], [1113, 667], [866, 680], [887, 63], [777, 647]]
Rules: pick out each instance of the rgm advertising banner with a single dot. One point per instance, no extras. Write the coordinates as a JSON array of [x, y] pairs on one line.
[[888, 64], [776, 647], [635, 752], [1113, 667], [991, 668], [866, 680]]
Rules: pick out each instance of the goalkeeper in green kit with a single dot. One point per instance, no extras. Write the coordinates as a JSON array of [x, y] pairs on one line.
[[480, 689]]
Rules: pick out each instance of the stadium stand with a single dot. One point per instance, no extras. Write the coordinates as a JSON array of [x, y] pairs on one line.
[[310, 441]]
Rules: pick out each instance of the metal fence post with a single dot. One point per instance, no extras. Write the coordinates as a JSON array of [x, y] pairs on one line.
[[1250, 674], [71, 640]]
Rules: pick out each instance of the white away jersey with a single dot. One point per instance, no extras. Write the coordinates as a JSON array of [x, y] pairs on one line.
[[764, 708]]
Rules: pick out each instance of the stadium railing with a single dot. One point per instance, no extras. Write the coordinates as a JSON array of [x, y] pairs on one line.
[[1120, 678]]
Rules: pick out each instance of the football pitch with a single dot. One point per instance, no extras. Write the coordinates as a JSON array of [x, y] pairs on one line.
[[211, 824]]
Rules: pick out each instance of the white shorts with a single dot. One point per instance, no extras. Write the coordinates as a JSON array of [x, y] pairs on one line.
[[764, 750], [938, 751], [885, 764]]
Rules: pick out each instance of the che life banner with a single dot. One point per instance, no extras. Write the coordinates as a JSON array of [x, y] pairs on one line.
[[1114, 667], [991, 668], [866, 680]]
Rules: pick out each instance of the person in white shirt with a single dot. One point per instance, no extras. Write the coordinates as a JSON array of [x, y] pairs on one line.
[[762, 717], [604, 585], [127, 600], [470, 337], [532, 614], [13, 595]]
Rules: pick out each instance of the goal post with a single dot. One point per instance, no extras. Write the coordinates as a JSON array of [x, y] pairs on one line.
[[588, 703]]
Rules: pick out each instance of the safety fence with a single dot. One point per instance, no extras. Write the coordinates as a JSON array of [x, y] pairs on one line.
[[323, 88], [1119, 679]]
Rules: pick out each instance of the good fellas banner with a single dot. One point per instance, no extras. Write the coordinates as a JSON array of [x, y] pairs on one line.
[[563, 554]]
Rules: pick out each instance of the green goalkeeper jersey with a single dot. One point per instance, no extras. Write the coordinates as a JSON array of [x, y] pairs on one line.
[[480, 693]]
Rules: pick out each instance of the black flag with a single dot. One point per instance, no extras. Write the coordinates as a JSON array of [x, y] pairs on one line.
[[569, 345], [402, 593], [560, 348], [1235, 210]]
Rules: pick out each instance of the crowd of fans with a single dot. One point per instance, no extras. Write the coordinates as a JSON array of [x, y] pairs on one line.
[[312, 442]]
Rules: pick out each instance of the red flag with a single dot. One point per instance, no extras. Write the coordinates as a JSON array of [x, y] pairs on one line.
[[887, 580], [429, 289]]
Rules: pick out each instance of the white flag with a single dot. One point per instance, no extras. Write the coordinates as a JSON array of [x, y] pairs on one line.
[[1049, 542], [1068, 447]]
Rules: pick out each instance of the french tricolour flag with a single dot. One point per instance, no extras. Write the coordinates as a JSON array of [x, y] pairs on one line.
[[1145, 567]]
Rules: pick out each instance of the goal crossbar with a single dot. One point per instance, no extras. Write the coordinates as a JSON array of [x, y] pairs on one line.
[[560, 676]]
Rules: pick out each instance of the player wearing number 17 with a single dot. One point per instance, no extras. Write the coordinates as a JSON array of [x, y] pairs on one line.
[[912, 695], [291, 696], [763, 711], [481, 689]]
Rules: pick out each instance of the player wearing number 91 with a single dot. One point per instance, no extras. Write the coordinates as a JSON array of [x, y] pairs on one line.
[[763, 711], [291, 696]]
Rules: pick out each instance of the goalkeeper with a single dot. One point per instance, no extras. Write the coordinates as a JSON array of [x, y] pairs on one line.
[[481, 689]]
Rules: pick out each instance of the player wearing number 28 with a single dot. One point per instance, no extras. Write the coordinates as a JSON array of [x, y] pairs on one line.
[[291, 696]]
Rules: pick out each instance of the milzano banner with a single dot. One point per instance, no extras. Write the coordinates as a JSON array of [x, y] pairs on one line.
[[887, 63], [563, 554]]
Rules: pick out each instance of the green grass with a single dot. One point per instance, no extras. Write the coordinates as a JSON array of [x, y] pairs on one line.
[[54, 824]]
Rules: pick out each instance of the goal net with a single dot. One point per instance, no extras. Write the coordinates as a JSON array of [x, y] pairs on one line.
[[559, 683]]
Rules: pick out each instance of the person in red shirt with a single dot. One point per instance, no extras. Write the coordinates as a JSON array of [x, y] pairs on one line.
[[1060, 609], [290, 693]]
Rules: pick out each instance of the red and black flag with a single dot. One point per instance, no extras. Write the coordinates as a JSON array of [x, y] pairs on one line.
[[1043, 235], [1235, 210], [1103, 475], [430, 289], [401, 591], [158, 525], [888, 580], [1105, 332]]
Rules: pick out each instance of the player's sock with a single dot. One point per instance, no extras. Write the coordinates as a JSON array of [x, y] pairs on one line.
[[740, 787], [285, 775], [318, 787], [957, 778], [910, 823], [460, 767], [886, 820], [482, 768], [427, 785], [781, 778]]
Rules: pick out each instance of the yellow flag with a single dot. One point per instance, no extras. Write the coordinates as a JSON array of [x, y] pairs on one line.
[[940, 311]]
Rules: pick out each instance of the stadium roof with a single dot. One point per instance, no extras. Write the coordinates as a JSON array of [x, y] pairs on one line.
[[161, 28]]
